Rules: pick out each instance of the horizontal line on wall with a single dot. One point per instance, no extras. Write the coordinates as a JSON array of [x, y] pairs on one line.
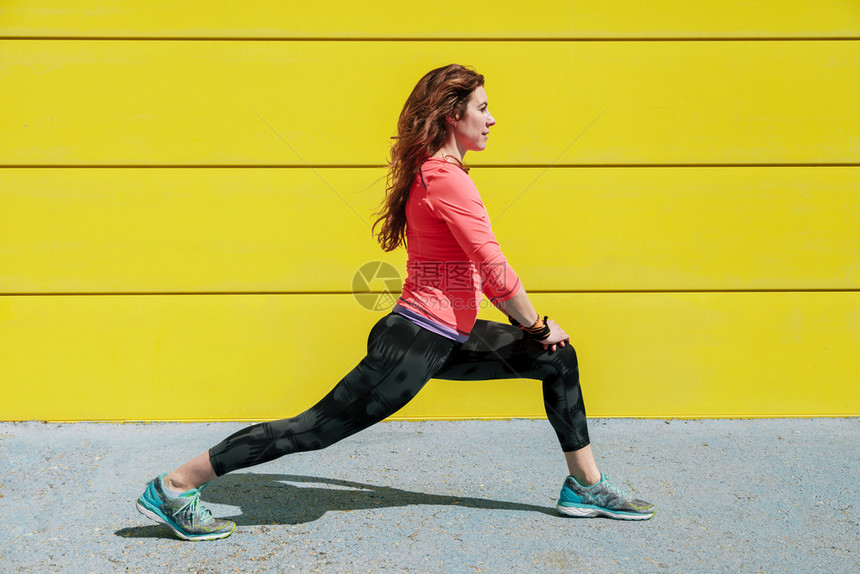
[[383, 166], [437, 39], [194, 166], [304, 293], [668, 418]]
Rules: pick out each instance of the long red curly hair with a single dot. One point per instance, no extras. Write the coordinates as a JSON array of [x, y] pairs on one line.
[[421, 129]]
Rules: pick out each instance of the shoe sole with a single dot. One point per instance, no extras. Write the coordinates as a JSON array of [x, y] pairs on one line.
[[593, 511], [152, 515]]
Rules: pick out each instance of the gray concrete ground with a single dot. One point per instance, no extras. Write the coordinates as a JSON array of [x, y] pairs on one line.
[[470, 496]]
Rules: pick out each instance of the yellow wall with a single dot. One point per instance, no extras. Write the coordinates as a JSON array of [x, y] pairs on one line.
[[184, 187]]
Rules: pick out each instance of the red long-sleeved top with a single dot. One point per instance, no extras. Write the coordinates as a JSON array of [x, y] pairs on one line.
[[453, 255]]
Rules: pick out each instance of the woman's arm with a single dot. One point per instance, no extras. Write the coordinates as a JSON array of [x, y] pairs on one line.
[[456, 200], [521, 309]]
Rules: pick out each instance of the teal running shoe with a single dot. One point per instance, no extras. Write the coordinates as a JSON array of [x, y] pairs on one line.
[[601, 499], [185, 515]]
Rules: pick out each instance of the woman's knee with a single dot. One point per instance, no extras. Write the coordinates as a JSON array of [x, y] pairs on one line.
[[565, 356], [559, 365]]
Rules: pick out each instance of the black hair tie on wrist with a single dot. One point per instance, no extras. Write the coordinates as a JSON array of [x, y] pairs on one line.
[[536, 332]]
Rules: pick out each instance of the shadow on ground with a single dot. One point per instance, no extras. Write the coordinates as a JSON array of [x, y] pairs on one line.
[[295, 499]]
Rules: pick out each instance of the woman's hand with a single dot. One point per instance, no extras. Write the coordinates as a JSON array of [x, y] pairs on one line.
[[557, 337]]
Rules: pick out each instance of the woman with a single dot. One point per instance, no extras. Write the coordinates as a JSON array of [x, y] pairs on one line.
[[433, 208]]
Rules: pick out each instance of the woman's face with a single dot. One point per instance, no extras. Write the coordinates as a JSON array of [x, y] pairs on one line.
[[471, 130]]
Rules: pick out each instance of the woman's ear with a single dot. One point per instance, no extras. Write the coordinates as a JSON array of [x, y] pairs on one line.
[[451, 121]]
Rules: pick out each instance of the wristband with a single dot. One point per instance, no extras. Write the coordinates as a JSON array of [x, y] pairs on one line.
[[539, 331]]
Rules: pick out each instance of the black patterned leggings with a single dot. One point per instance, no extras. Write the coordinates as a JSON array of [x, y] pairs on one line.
[[401, 358]]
